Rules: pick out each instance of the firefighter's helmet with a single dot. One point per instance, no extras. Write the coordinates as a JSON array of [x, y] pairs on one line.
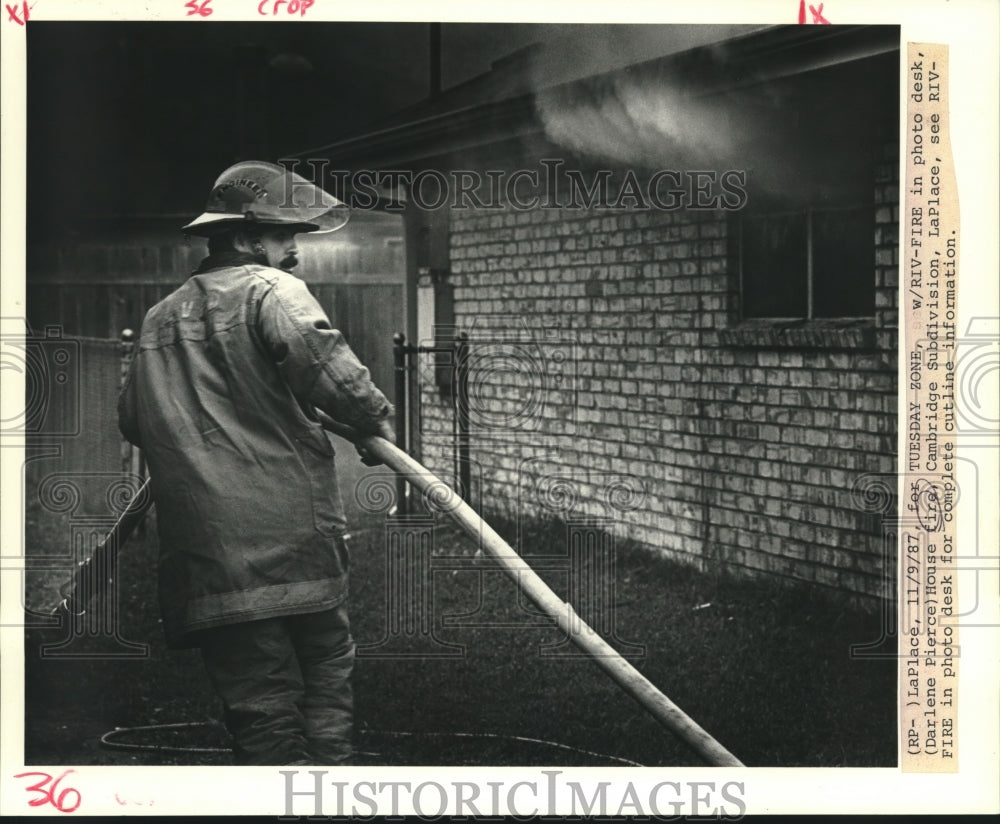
[[257, 193]]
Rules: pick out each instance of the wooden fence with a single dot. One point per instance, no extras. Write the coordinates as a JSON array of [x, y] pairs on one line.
[[367, 314]]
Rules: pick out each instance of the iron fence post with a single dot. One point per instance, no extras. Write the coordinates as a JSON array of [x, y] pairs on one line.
[[127, 338], [400, 365], [462, 422]]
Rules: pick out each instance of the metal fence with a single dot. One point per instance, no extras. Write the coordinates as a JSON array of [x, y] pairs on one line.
[[70, 417], [451, 373]]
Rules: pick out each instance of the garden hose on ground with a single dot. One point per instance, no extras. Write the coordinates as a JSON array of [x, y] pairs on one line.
[[110, 740]]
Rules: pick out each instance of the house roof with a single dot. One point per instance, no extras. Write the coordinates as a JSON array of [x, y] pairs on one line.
[[502, 104]]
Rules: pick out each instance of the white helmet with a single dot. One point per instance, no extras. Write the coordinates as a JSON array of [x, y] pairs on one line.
[[255, 192]]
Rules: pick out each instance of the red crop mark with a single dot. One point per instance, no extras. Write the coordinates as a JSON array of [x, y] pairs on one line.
[[817, 14], [46, 792], [12, 14], [299, 7]]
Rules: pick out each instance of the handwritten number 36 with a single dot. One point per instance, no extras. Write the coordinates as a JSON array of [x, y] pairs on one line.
[[66, 801]]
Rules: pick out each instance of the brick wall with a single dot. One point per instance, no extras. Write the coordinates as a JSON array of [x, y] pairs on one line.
[[707, 440]]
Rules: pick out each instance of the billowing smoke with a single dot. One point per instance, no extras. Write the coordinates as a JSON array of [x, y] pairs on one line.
[[800, 138], [642, 123]]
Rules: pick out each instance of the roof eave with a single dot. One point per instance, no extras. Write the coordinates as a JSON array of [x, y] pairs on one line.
[[770, 54]]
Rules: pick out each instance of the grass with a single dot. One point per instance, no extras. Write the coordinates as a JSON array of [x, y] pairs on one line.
[[764, 667]]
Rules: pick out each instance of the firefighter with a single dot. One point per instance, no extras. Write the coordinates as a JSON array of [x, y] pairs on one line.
[[221, 397]]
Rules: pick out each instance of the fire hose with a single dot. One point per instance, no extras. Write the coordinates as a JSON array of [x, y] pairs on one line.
[[87, 582]]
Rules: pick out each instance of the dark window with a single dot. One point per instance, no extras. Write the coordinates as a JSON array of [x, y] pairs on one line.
[[806, 236], [812, 263]]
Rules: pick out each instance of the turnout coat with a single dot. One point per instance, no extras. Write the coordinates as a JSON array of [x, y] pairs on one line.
[[219, 396]]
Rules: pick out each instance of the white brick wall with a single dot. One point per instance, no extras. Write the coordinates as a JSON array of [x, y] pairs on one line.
[[748, 456]]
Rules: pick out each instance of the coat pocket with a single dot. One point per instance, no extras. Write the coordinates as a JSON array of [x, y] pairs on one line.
[[317, 456]]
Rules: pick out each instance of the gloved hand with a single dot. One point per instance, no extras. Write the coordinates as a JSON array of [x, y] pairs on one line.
[[384, 430]]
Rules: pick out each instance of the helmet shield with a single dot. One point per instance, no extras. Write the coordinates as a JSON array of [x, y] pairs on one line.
[[260, 193]]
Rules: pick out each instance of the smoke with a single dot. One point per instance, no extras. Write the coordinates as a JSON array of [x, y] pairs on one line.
[[657, 115], [806, 139], [596, 98], [639, 122]]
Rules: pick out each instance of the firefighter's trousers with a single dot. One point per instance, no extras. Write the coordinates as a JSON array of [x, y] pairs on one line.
[[285, 684]]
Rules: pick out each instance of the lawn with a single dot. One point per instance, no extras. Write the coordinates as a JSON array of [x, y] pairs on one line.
[[765, 668]]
